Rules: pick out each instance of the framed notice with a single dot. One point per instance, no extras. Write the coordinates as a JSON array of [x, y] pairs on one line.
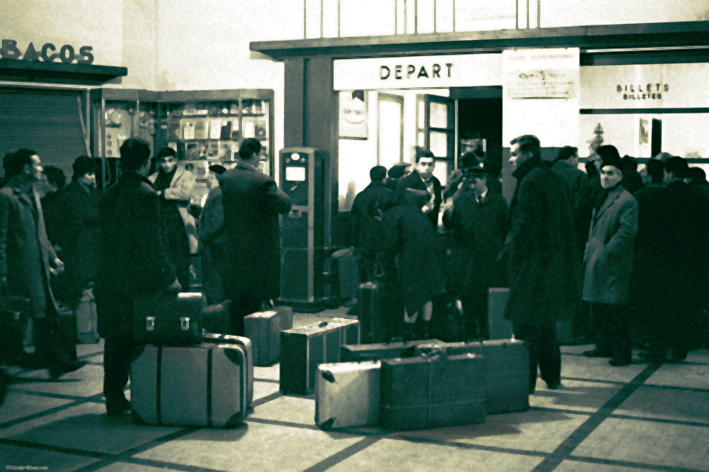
[[541, 73], [353, 115]]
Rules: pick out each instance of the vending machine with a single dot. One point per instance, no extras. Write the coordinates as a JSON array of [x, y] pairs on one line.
[[305, 248]]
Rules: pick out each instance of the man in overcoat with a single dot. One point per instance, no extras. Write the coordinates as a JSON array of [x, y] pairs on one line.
[[212, 242], [27, 259], [543, 282], [252, 202], [134, 262], [609, 262], [422, 178]]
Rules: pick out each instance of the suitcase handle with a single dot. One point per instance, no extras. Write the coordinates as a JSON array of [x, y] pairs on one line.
[[150, 323], [185, 323], [323, 324]]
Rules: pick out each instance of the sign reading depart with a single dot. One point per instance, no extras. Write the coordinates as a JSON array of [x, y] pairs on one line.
[[466, 70]]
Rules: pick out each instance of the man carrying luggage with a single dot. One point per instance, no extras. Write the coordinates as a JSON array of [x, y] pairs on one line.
[[134, 261]]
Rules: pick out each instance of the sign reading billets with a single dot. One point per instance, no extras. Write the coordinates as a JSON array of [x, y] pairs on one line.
[[642, 92], [465, 70], [47, 53]]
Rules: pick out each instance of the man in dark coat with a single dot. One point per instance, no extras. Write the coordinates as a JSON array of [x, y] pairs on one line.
[[27, 259], [134, 262], [366, 220], [78, 232], [422, 178], [395, 174], [477, 218], [542, 259], [213, 243], [252, 202]]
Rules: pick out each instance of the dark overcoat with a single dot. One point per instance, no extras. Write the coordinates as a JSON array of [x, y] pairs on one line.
[[213, 249], [542, 258], [25, 251], [133, 258], [409, 237], [414, 181], [366, 229], [582, 197], [80, 229], [252, 202], [609, 251]]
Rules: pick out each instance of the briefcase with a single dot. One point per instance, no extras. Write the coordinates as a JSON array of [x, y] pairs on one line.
[[347, 394], [264, 329], [168, 319], [302, 350], [432, 392], [379, 351], [247, 346], [204, 385]]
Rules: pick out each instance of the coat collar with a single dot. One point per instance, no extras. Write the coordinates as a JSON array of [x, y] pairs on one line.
[[611, 197], [527, 167]]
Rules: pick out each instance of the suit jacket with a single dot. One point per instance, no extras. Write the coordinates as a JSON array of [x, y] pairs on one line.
[[134, 259], [180, 191], [25, 251], [610, 247], [414, 181], [542, 253], [252, 202]]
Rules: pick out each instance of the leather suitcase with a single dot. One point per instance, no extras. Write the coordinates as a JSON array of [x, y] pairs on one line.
[[370, 317], [216, 319], [264, 329], [246, 345], [347, 266], [204, 385], [379, 351], [168, 319], [347, 394], [349, 330], [432, 392], [500, 328], [507, 364], [302, 350]]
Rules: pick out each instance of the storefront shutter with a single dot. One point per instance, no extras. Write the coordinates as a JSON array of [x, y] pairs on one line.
[[44, 120]]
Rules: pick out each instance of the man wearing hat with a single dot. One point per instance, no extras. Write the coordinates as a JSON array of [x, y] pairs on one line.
[[477, 219], [395, 174], [609, 262]]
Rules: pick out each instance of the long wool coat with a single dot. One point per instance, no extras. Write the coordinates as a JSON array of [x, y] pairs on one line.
[[542, 252], [609, 251]]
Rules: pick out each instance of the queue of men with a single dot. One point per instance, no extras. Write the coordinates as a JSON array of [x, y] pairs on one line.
[[623, 255]]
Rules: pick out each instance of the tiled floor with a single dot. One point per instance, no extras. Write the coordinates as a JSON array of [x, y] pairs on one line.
[[603, 419]]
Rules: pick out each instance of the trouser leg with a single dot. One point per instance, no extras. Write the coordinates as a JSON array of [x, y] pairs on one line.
[[602, 326], [619, 331], [526, 332], [50, 343], [117, 354], [549, 353], [242, 305]]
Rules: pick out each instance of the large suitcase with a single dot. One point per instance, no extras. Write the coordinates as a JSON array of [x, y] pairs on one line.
[[432, 392], [168, 319], [349, 330], [379, 351], [507, 364], [302, 350], [500, 328], [86, 319], [264, 328], [216, 319], [204, 385], [370, 316], [347, 394], [246, 345]]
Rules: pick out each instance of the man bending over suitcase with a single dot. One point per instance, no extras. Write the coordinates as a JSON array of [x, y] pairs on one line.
[[134, 261]]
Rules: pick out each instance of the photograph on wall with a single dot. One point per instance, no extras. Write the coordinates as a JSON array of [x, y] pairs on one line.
[[353, 115]]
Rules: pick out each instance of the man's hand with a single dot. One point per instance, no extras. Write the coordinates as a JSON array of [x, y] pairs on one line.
[[58, 267], [428, 207], [175, 286], [447, 205]]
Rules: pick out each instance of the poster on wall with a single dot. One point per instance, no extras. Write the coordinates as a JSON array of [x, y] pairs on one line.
[[353, 115], [541, 73]]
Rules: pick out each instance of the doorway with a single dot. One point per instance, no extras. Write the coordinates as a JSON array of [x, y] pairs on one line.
[[480, 129]]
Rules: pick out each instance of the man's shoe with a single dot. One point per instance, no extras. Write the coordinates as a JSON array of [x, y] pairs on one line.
[[597, 353], [117, 408], [58, 370], [554, 385], [619, 362], [678, 355], [653, 356]]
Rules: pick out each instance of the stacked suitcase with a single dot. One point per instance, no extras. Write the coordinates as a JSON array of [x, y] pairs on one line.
[[184, 377]]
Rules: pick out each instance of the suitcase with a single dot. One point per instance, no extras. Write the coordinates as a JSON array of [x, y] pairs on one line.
[[347, 267], [264, 330], [507, 364], [302, 350], [168, 319], [216, 318], [500, 328], [246, 345], [347, 394], [379, 351], [203, 385], [369, 302], [349, 330], [432, 392], [86, 319]]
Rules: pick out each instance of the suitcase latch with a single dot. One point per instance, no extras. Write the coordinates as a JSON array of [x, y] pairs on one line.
[[185, 323], [150, 323]]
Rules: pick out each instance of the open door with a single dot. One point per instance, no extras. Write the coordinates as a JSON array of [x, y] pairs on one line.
[[435, 131]]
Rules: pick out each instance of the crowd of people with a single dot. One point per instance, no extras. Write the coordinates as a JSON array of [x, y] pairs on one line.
[[621, 252]]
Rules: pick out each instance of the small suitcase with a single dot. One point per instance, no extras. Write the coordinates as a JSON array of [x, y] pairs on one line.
[[379, 351], [347, 267], [216, 319], [370, 318], [507, 364], [347, 394], [86, 319], [500, 328], [349, 330], [203, 385], [168, 319], [432, 392], [246, 345], [302, 350], [264, 329]]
